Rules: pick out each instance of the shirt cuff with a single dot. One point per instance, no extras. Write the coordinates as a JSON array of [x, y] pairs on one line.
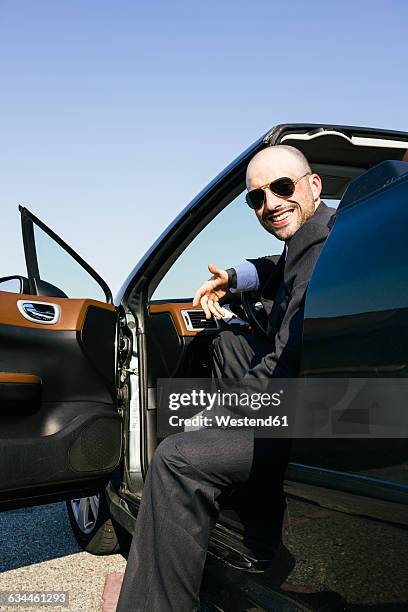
[[247, 277]]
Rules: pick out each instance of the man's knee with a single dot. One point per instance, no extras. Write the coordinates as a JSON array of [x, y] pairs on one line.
[[165, 453], [168, 452], [187, 453]]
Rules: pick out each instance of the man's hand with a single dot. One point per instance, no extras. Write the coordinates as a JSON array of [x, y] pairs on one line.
[[210, 293]]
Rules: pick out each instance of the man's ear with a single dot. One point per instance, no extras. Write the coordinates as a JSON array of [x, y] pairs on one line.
[[315, 183]]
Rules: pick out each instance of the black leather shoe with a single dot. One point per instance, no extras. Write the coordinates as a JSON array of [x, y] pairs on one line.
[[275, 571]]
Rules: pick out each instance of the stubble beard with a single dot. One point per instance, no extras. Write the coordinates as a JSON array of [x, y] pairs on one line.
[[302, 215]]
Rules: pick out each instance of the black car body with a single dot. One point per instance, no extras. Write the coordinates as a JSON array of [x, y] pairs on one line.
[[78, 378]]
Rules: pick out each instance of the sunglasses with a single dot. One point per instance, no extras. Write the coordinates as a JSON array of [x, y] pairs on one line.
[[282, 187]]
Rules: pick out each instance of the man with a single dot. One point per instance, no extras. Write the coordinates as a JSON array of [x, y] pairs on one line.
[[190, 471]]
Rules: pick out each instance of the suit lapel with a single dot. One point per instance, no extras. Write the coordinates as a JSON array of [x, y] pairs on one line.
[[271, 296]]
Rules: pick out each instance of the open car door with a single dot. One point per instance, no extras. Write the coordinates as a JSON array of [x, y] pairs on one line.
[[60, 428]]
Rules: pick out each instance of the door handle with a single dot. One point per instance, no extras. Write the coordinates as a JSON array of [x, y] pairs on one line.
[[39, 312]]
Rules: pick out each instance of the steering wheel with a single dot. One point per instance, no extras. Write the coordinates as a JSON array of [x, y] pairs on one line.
[[256, 316]]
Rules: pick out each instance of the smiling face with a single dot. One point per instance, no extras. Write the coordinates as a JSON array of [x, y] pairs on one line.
[[282, 217]]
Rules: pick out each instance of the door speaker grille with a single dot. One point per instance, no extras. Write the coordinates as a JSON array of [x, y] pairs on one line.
[[98, 446]]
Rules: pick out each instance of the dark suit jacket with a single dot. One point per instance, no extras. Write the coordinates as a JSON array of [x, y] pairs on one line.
[[285, 282]]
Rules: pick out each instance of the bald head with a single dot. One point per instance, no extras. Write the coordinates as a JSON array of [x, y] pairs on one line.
[[278, 159], [282, 216]]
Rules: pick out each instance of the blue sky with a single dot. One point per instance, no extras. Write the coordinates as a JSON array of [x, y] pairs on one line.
[[113, 115]]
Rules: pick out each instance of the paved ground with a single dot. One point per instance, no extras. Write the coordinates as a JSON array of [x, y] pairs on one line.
[[363, 560], [39, 553]]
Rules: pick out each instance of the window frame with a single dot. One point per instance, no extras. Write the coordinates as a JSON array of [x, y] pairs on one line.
[[28, 220]]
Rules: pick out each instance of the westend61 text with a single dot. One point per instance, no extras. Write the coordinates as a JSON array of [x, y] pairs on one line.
[[201, 420]]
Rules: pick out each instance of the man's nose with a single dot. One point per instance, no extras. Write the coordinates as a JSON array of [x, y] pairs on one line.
[[271, 201]]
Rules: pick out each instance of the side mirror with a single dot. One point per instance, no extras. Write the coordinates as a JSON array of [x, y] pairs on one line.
[[14, 284]]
